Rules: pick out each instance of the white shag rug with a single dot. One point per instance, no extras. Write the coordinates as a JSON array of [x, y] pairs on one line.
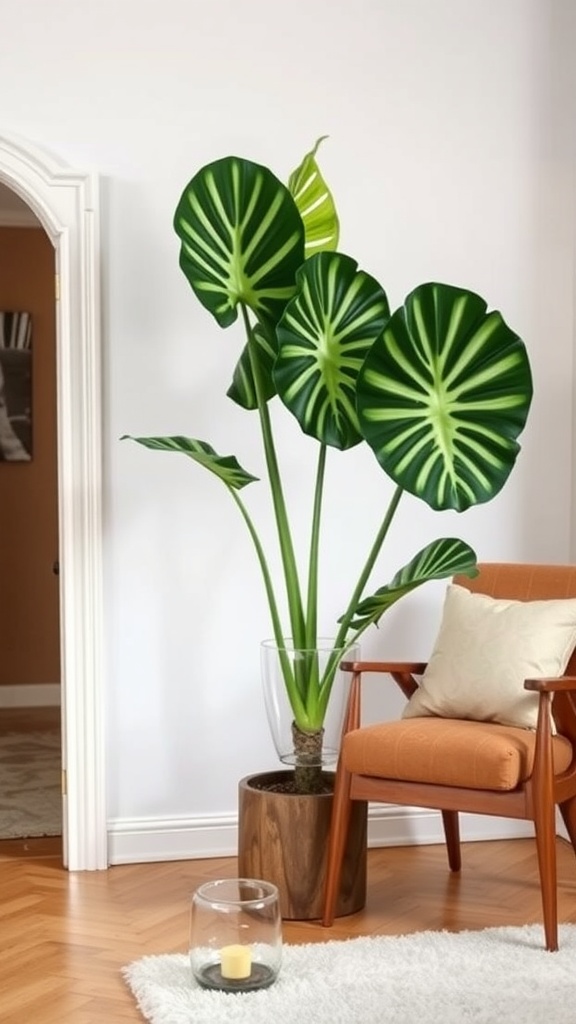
[[30, 785], [495, 976]]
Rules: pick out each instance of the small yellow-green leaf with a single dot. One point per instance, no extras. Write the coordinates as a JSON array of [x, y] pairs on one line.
[[316, 205]]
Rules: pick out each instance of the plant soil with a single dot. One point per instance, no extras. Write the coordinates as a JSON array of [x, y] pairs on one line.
[[289, 785]]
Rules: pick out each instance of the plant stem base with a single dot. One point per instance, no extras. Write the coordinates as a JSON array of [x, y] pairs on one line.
[[283, 838]]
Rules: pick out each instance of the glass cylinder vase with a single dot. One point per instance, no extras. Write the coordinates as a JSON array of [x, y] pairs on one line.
[[319, 685], [235, 934]]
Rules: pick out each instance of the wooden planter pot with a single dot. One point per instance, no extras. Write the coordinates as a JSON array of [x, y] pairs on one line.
[[283, 838]]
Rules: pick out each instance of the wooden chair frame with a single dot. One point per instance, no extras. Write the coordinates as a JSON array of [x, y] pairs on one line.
[[535, 799]]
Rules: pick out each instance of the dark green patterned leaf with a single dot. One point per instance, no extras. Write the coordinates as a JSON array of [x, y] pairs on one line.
[[438, 560], [443, 395], [242, 389], [226, 467], [323, 338], [242, 239]]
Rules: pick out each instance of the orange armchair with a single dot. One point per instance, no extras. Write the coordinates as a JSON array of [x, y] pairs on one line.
[[463, 765]]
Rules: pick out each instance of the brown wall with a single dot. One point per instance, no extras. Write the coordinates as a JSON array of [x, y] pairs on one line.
[[29, 604]]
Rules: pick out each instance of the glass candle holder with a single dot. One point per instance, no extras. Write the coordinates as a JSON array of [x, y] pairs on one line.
[[235, 934]]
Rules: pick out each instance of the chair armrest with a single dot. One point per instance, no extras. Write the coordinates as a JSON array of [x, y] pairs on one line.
[[415, 668], [553, 685], [543, 768], [402, 672]]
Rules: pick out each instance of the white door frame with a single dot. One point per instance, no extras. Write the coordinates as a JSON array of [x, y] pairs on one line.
[[66, 203]]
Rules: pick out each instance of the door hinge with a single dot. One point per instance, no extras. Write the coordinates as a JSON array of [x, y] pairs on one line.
[[64, 782]]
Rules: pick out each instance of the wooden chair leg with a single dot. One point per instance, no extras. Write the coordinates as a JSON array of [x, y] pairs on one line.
[[545, 820], [341, 808], [546, 847], [568, 812], [452, 833]]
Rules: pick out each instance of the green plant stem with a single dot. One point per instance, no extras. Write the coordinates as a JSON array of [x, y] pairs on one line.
[[312, 596], [296, 684], [328, 678], [293, 694], [281, 516], [368, 566], [276, 623], [306, 669]]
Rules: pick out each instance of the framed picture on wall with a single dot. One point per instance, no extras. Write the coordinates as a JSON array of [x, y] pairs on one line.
[[15, 387]]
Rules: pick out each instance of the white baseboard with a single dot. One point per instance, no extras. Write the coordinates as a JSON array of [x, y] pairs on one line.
[[35, 695], [416, 826], [146, 840], [561, 829]]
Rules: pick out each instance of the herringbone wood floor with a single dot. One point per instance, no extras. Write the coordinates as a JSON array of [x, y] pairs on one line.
[[64, 937]]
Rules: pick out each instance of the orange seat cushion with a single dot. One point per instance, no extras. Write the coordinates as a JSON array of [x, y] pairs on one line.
[[448, 752]]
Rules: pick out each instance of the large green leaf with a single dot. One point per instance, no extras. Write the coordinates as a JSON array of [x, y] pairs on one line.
[[438, 560], [320, 220], [226, 467], [242, 239], [443, 395], [323, 337], [316, 205]]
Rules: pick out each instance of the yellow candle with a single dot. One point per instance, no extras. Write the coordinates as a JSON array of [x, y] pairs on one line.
[[235, 962]]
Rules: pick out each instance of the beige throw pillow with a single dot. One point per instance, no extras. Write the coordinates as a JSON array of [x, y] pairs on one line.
[[485, 650]]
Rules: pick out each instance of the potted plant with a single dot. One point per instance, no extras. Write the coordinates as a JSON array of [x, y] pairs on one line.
[[439, 389]]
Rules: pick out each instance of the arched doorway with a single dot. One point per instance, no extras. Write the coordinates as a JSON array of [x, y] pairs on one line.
[[66, 203]]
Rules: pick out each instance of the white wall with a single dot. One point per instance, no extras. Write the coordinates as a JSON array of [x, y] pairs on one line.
[[451, 155]]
